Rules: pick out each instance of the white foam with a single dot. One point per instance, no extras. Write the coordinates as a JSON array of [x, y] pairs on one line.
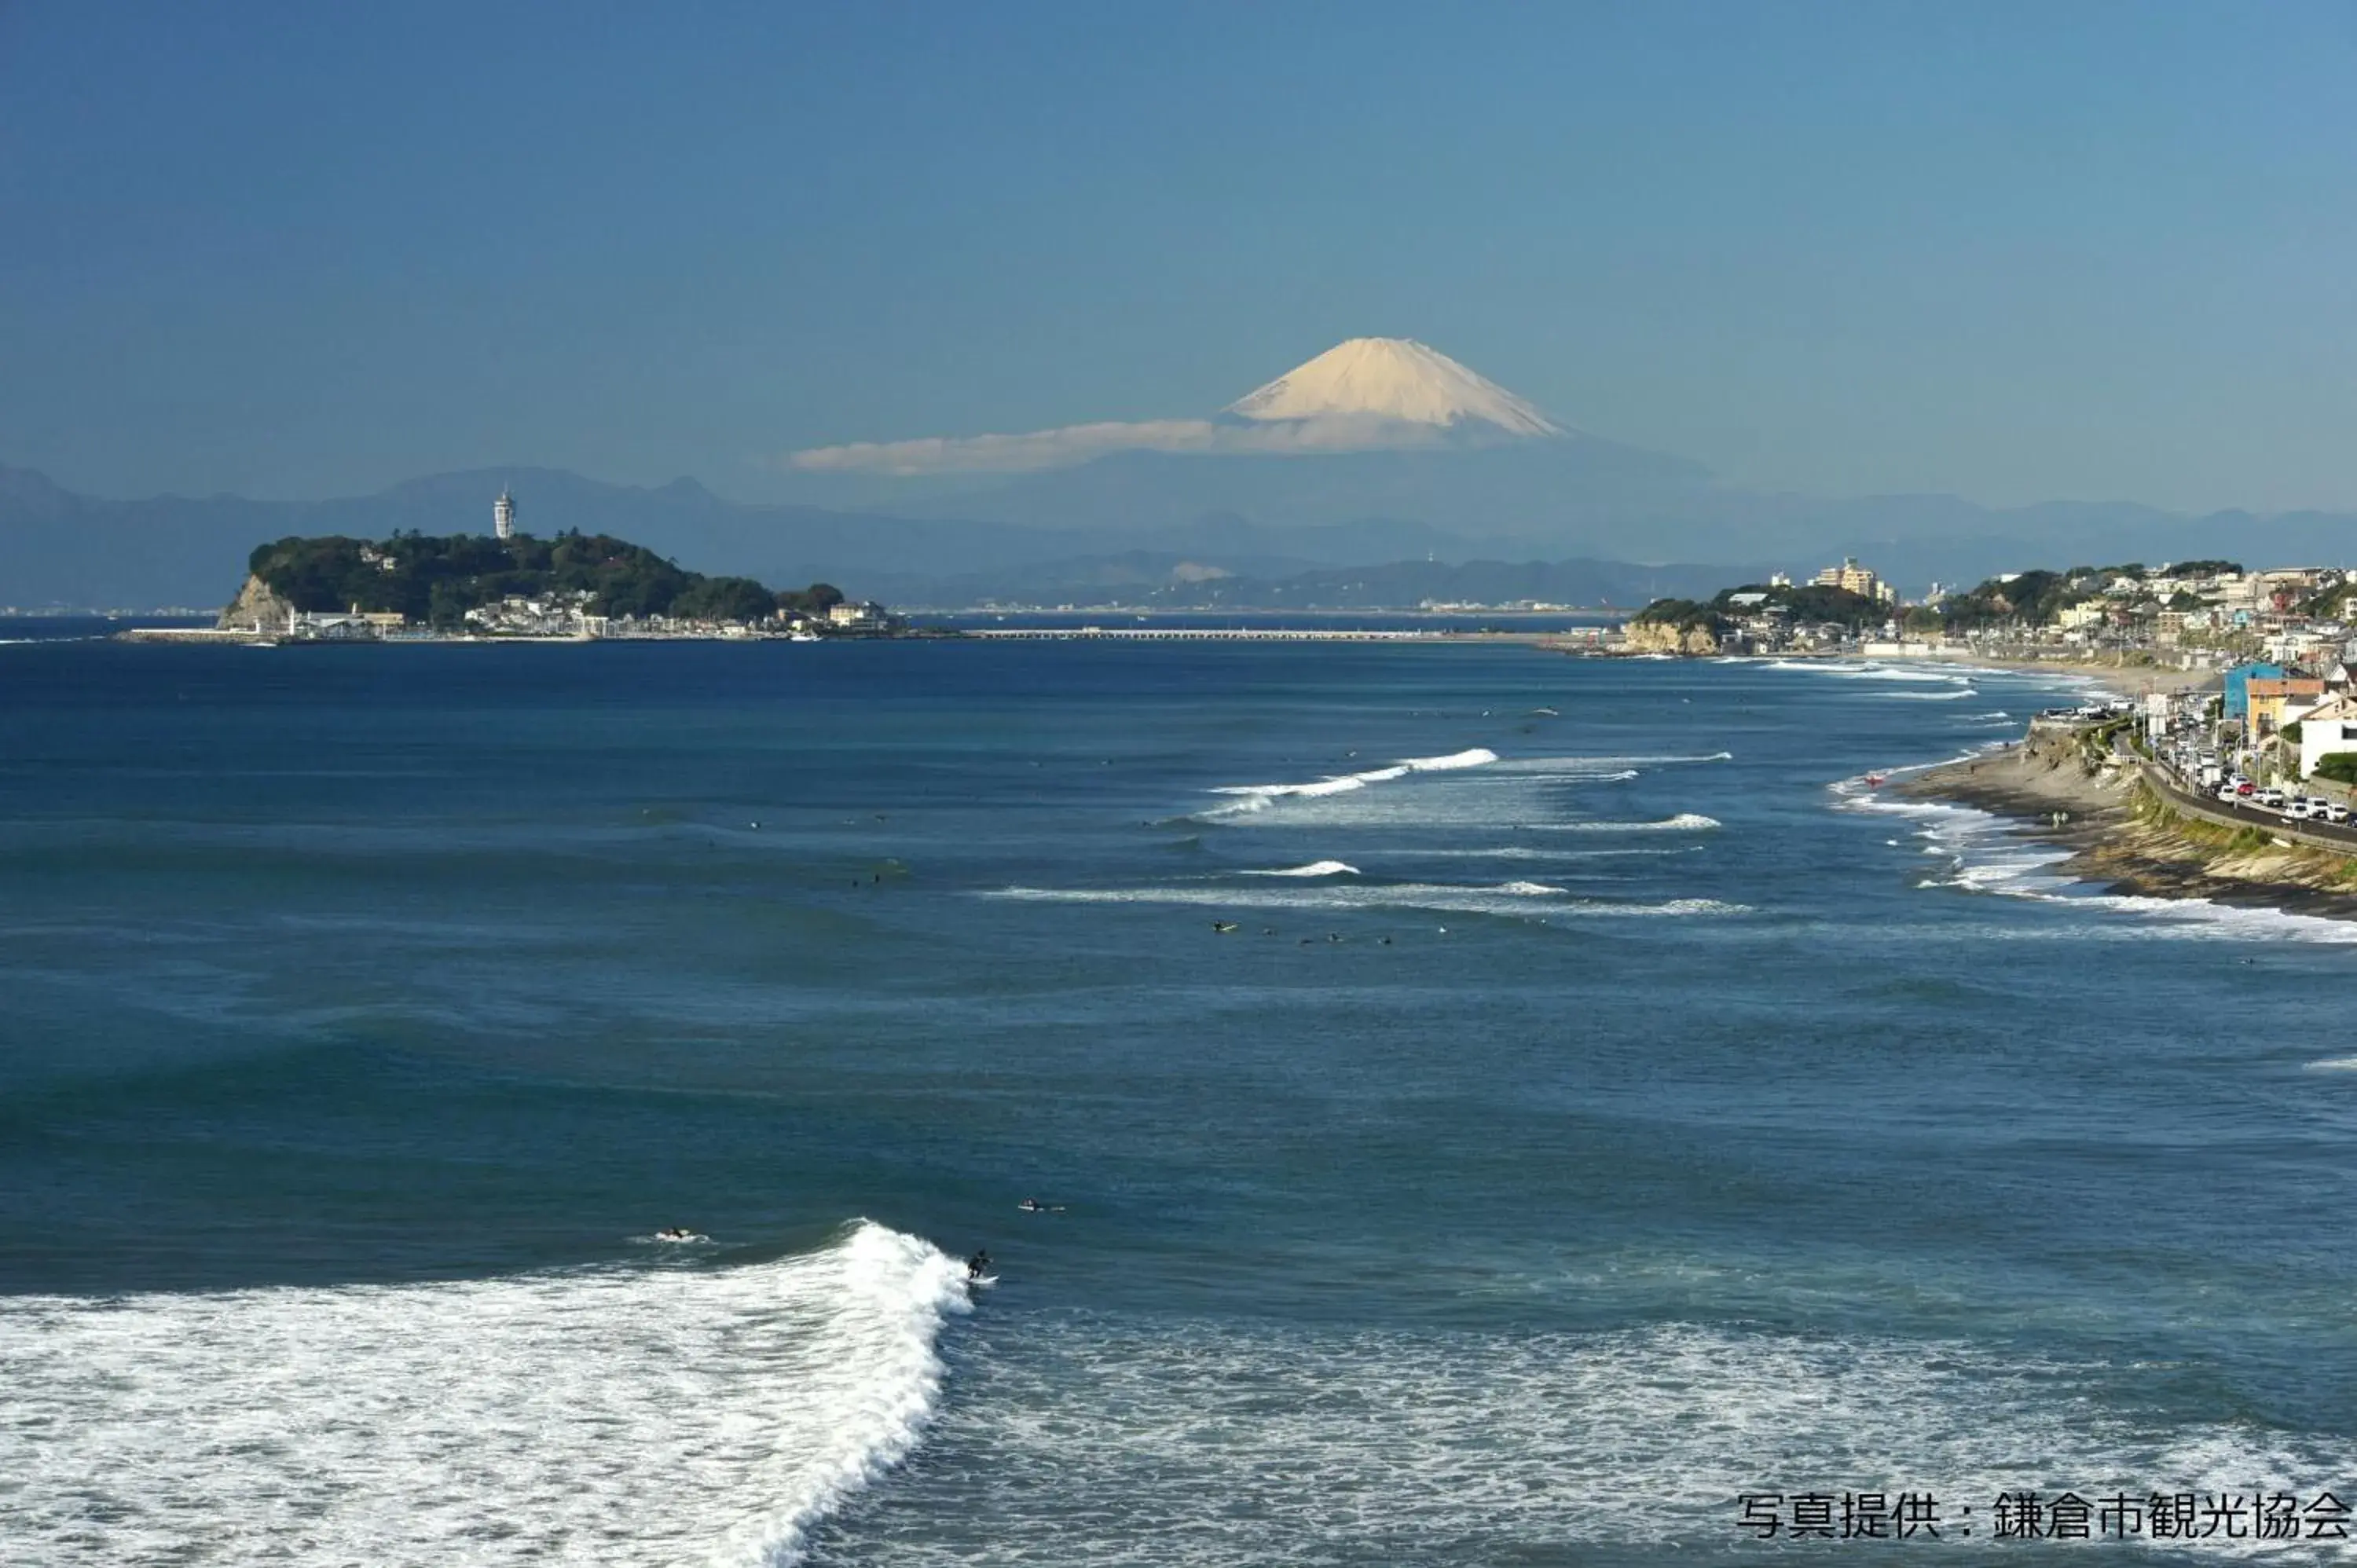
[[1543, 852], [1684, 822], [1474, 757], [1854, 670], [1616, 767], [2335, 1064], [1260, 797], [1515, 899], [1315, 868], [1261, 794], [637, 1416], [1990, 854], [1249, 1442]]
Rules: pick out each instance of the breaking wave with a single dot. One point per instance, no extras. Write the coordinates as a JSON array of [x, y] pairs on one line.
[[1254, 1444], [1315, 868], [1987, 853], [1533, 852], [1611, 767], [1854, 671], [1259, 796], [1474, 757], [1684, 822], [518, 1420], [1518, 900]]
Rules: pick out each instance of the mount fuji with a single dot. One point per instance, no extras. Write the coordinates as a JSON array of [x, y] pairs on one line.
[[1383, 449], [1392, 379], [1380, 452], [1374, 431]]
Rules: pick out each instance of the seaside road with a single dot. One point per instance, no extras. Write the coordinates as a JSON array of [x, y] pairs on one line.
[[2320, 835]]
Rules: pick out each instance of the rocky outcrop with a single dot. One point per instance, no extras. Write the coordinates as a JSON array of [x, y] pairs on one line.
[[1666, 636], [255, 608], [2126, 838]]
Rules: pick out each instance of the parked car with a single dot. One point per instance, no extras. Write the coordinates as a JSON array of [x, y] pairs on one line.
[[2271, 798], [2336, 811], [2296, 807], [2243, 787]]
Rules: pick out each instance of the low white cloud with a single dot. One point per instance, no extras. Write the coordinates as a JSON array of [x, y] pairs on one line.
[[1070, 445]]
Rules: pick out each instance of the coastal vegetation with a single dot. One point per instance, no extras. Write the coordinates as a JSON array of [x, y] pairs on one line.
[[2120, 598], [2341, 767], [2034, 598], [1696, 625], [437, 580]]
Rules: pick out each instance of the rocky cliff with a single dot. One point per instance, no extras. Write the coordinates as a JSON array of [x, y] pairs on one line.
[[1663, 636], [255, 608]]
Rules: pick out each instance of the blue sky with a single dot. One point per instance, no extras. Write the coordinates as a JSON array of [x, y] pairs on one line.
[[2096, 251]]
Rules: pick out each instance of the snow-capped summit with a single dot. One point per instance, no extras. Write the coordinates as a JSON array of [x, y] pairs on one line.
[[1393, 378]]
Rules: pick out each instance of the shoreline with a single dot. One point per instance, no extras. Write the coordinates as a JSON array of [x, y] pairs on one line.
[[2148, 677], [2125, 840]]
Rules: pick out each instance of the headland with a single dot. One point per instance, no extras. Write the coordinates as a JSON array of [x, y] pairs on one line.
[[2133, 828]]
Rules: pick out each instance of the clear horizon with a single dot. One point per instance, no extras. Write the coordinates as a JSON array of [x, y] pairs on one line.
[[1838, 249]]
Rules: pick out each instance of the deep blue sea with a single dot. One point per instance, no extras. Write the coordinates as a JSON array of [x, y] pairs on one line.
[[1603, 1105]]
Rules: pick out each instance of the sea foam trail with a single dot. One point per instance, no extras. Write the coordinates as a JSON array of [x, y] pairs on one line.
[[1474, 757], [626, 1416], [1520, 900], [1259, 796], [1603, 767], [1256, 1443], [1986, 853], [1852, 670], [1684, 822]]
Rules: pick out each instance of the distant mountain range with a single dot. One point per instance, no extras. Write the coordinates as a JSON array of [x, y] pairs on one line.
[[64, 549], [1380, 453]]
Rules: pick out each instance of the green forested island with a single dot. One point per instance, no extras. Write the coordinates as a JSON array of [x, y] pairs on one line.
[[1799, 601], [436, 581]]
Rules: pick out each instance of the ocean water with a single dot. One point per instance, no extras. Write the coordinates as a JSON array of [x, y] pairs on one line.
[[1604, 1105]]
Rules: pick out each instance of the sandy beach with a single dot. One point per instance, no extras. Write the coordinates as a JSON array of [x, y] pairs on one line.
[[2134, 679]]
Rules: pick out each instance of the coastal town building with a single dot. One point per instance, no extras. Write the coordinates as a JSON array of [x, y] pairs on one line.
[[2327, 728], [503, 516], [2267, 700], [1853, 578], [858, 616], [2237, 692]]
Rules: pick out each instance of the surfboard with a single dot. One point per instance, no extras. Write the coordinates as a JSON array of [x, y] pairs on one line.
[[982, 1282]]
